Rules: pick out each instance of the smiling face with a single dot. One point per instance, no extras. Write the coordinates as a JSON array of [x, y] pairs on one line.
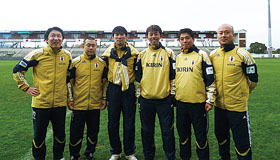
[[55, 39], [154, 37], [225, 34], [120, 39], [186, 41], [90, 47]]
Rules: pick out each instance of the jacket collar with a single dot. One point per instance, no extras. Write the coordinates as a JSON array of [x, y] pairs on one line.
[[89, 57], [156, 47], [120, 48], [228, 47], [112, 48], [49, 49], [193, 48]]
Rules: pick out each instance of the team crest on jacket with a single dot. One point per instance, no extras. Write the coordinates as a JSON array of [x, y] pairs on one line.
[[193, 62], [218, 55], [186, 59], [61, 58], [161, 58], [96, 65], [231, 58]]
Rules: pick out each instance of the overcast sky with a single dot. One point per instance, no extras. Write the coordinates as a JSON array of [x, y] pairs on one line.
[[250, 15]]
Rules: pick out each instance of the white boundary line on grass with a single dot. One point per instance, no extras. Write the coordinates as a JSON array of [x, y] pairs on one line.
[[28, 155]]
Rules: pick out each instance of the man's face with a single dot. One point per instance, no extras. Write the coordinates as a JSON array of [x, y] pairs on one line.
[[55, 39], [120, 39], [225, 35], [154, 37], [90, 47], [186, 41]]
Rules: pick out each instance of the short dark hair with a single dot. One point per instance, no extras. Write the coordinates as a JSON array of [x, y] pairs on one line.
[[119, 29], [89, 38], [186, 30], [154, 28], [51, 29]]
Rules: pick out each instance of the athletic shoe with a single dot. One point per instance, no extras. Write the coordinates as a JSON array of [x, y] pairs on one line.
[[73, 158], [115, 157], [90, 157], [131, 157]]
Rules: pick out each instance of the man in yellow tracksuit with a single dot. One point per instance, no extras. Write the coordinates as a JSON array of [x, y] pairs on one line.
[[155, 73], [49, 94], [236, 77], [195, 89], [120, 58], [88, 76]]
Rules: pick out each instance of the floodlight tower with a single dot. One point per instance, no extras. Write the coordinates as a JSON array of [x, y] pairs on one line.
[[269, 32]]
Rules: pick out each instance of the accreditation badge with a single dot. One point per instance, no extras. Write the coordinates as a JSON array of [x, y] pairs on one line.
[[250, 70], [209, 70]]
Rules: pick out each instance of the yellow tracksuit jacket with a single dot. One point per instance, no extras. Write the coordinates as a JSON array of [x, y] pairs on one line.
[[88, 79], [194, 77], [236, 76], [49, 75], [154, 67], [121, 63]]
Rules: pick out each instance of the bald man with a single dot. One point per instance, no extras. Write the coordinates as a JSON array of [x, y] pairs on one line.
[[236, 77]]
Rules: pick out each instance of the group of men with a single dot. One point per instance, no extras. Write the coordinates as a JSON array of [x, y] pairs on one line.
[[193, 81]]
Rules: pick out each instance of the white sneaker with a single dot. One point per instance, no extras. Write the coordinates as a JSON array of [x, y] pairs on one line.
[[131, 157], [115, 157]]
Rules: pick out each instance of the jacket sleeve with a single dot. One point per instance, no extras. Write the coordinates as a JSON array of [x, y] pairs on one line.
[[138, 69], [70, 80], [172, 73], [172, 68], [21, 68], [104, 82], [209, 79], [250, 69], [71, 75], [69, 70]]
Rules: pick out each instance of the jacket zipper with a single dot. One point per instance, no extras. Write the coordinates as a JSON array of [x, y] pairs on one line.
[[54, 79], [89, 82], [223, 80]]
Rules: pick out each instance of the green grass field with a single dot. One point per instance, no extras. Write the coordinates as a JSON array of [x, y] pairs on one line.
[[16, 123]]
